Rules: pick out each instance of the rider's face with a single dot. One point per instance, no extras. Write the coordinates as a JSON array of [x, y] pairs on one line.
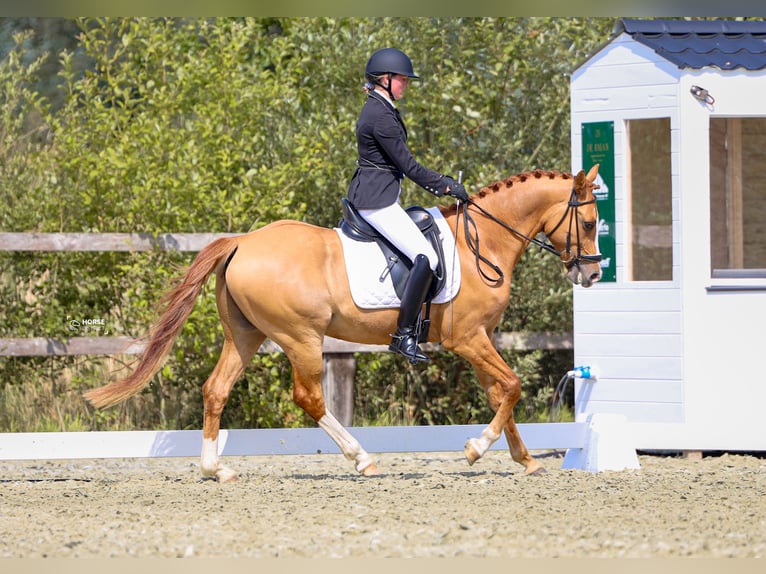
[[399, 84]]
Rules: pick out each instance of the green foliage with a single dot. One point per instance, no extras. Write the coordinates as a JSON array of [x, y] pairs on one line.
[[20, 131], [226, 124], [175, 127]]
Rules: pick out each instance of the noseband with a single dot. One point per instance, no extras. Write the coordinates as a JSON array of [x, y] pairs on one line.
[[567, 258]]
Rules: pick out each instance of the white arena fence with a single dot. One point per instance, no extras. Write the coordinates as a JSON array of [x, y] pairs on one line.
[[282, 441]]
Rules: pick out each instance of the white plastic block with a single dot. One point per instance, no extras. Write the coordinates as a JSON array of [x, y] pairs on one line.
[[609, 445]]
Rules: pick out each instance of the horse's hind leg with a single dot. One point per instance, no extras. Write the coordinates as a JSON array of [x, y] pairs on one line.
[[348, 445], [231, 364], [306, 360]]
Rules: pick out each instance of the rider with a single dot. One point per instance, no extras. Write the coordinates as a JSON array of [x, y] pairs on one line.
[[384, 160]]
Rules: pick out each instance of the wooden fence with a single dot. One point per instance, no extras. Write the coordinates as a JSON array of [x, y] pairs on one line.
[[339, 360]]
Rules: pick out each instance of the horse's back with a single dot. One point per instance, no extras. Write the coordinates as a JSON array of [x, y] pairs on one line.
[[287, 236]]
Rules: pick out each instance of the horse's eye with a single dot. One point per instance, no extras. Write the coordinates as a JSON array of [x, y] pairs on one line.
[[589, 225]]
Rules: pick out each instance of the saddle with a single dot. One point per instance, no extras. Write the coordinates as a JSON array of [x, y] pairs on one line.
[[398, 265]]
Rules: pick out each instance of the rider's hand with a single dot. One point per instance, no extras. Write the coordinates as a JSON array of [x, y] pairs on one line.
[[456, 189]]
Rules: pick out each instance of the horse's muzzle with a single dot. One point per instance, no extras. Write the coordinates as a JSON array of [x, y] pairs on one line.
[[584, 275]]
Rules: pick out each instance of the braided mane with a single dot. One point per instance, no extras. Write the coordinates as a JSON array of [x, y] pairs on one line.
[[521, 178]]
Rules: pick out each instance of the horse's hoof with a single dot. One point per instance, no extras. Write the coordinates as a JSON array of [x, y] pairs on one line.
[[370, 470], [225, 475], [471, 453], [539, 471]]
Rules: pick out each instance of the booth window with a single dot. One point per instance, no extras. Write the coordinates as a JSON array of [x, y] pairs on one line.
[[651, 205], [738, 197]]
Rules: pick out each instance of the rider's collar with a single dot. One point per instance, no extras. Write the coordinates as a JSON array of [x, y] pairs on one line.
[[383, 96]]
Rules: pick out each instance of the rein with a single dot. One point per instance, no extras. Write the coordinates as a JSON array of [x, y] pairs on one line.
[[565, 256]]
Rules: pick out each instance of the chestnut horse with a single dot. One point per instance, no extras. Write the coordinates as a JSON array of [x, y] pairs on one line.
[[287, 281]]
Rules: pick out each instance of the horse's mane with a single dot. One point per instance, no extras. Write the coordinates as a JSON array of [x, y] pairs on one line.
[[509, 182], [521, 178]]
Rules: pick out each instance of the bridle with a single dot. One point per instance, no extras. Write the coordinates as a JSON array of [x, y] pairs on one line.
[[567, 258], [574, 221]]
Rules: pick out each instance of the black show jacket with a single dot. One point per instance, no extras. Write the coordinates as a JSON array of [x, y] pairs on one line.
[[384, 158]]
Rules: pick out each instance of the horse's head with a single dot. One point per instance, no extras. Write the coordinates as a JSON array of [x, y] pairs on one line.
[[573, 231]]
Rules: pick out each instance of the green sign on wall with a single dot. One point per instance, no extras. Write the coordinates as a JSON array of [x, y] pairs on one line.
[[598, 148]]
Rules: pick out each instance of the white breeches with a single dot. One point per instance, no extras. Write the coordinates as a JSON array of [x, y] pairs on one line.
[[395, 225]]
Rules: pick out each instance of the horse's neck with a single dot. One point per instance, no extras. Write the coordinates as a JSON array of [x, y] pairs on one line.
[[523, 206]]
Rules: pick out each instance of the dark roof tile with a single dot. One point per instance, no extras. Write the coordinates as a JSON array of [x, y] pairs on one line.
[[696, 44]]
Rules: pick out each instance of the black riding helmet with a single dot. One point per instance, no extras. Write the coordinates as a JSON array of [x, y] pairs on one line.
[[388, 61]]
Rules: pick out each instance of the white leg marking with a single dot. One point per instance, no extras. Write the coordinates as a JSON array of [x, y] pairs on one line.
[[210, 464], [209, 457], [347, 443], [486, 440]]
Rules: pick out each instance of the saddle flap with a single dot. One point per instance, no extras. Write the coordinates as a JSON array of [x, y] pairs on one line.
[[366, 263], [398, 267]]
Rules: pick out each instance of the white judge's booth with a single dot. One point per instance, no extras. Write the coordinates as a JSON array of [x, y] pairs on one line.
[[674, 113]]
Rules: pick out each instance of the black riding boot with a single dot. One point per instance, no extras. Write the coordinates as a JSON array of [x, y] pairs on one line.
[[405, 340]]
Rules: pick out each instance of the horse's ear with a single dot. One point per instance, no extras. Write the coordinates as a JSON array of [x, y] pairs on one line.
[[584, 183], [579, 185]]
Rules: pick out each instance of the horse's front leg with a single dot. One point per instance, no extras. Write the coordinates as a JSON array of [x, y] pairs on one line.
[[519, 451], [503, 389], [475, 448], [516, 445]]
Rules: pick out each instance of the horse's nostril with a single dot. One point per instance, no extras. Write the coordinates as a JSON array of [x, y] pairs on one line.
[[595, 277]]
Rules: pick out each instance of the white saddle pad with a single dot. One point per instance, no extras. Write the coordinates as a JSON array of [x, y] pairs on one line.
[[365, 264]]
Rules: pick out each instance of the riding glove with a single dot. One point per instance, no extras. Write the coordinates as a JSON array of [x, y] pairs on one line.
[[456, 189]]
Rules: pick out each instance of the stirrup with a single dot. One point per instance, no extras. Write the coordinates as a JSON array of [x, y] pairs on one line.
[[411, 351]]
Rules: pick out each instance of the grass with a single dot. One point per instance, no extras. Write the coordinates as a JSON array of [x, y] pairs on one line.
[[49, 399]]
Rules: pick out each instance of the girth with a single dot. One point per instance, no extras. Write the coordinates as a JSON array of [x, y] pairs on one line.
[[397, 264]]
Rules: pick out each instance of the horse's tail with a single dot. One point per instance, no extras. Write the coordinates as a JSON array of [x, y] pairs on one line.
[[179, 303]]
